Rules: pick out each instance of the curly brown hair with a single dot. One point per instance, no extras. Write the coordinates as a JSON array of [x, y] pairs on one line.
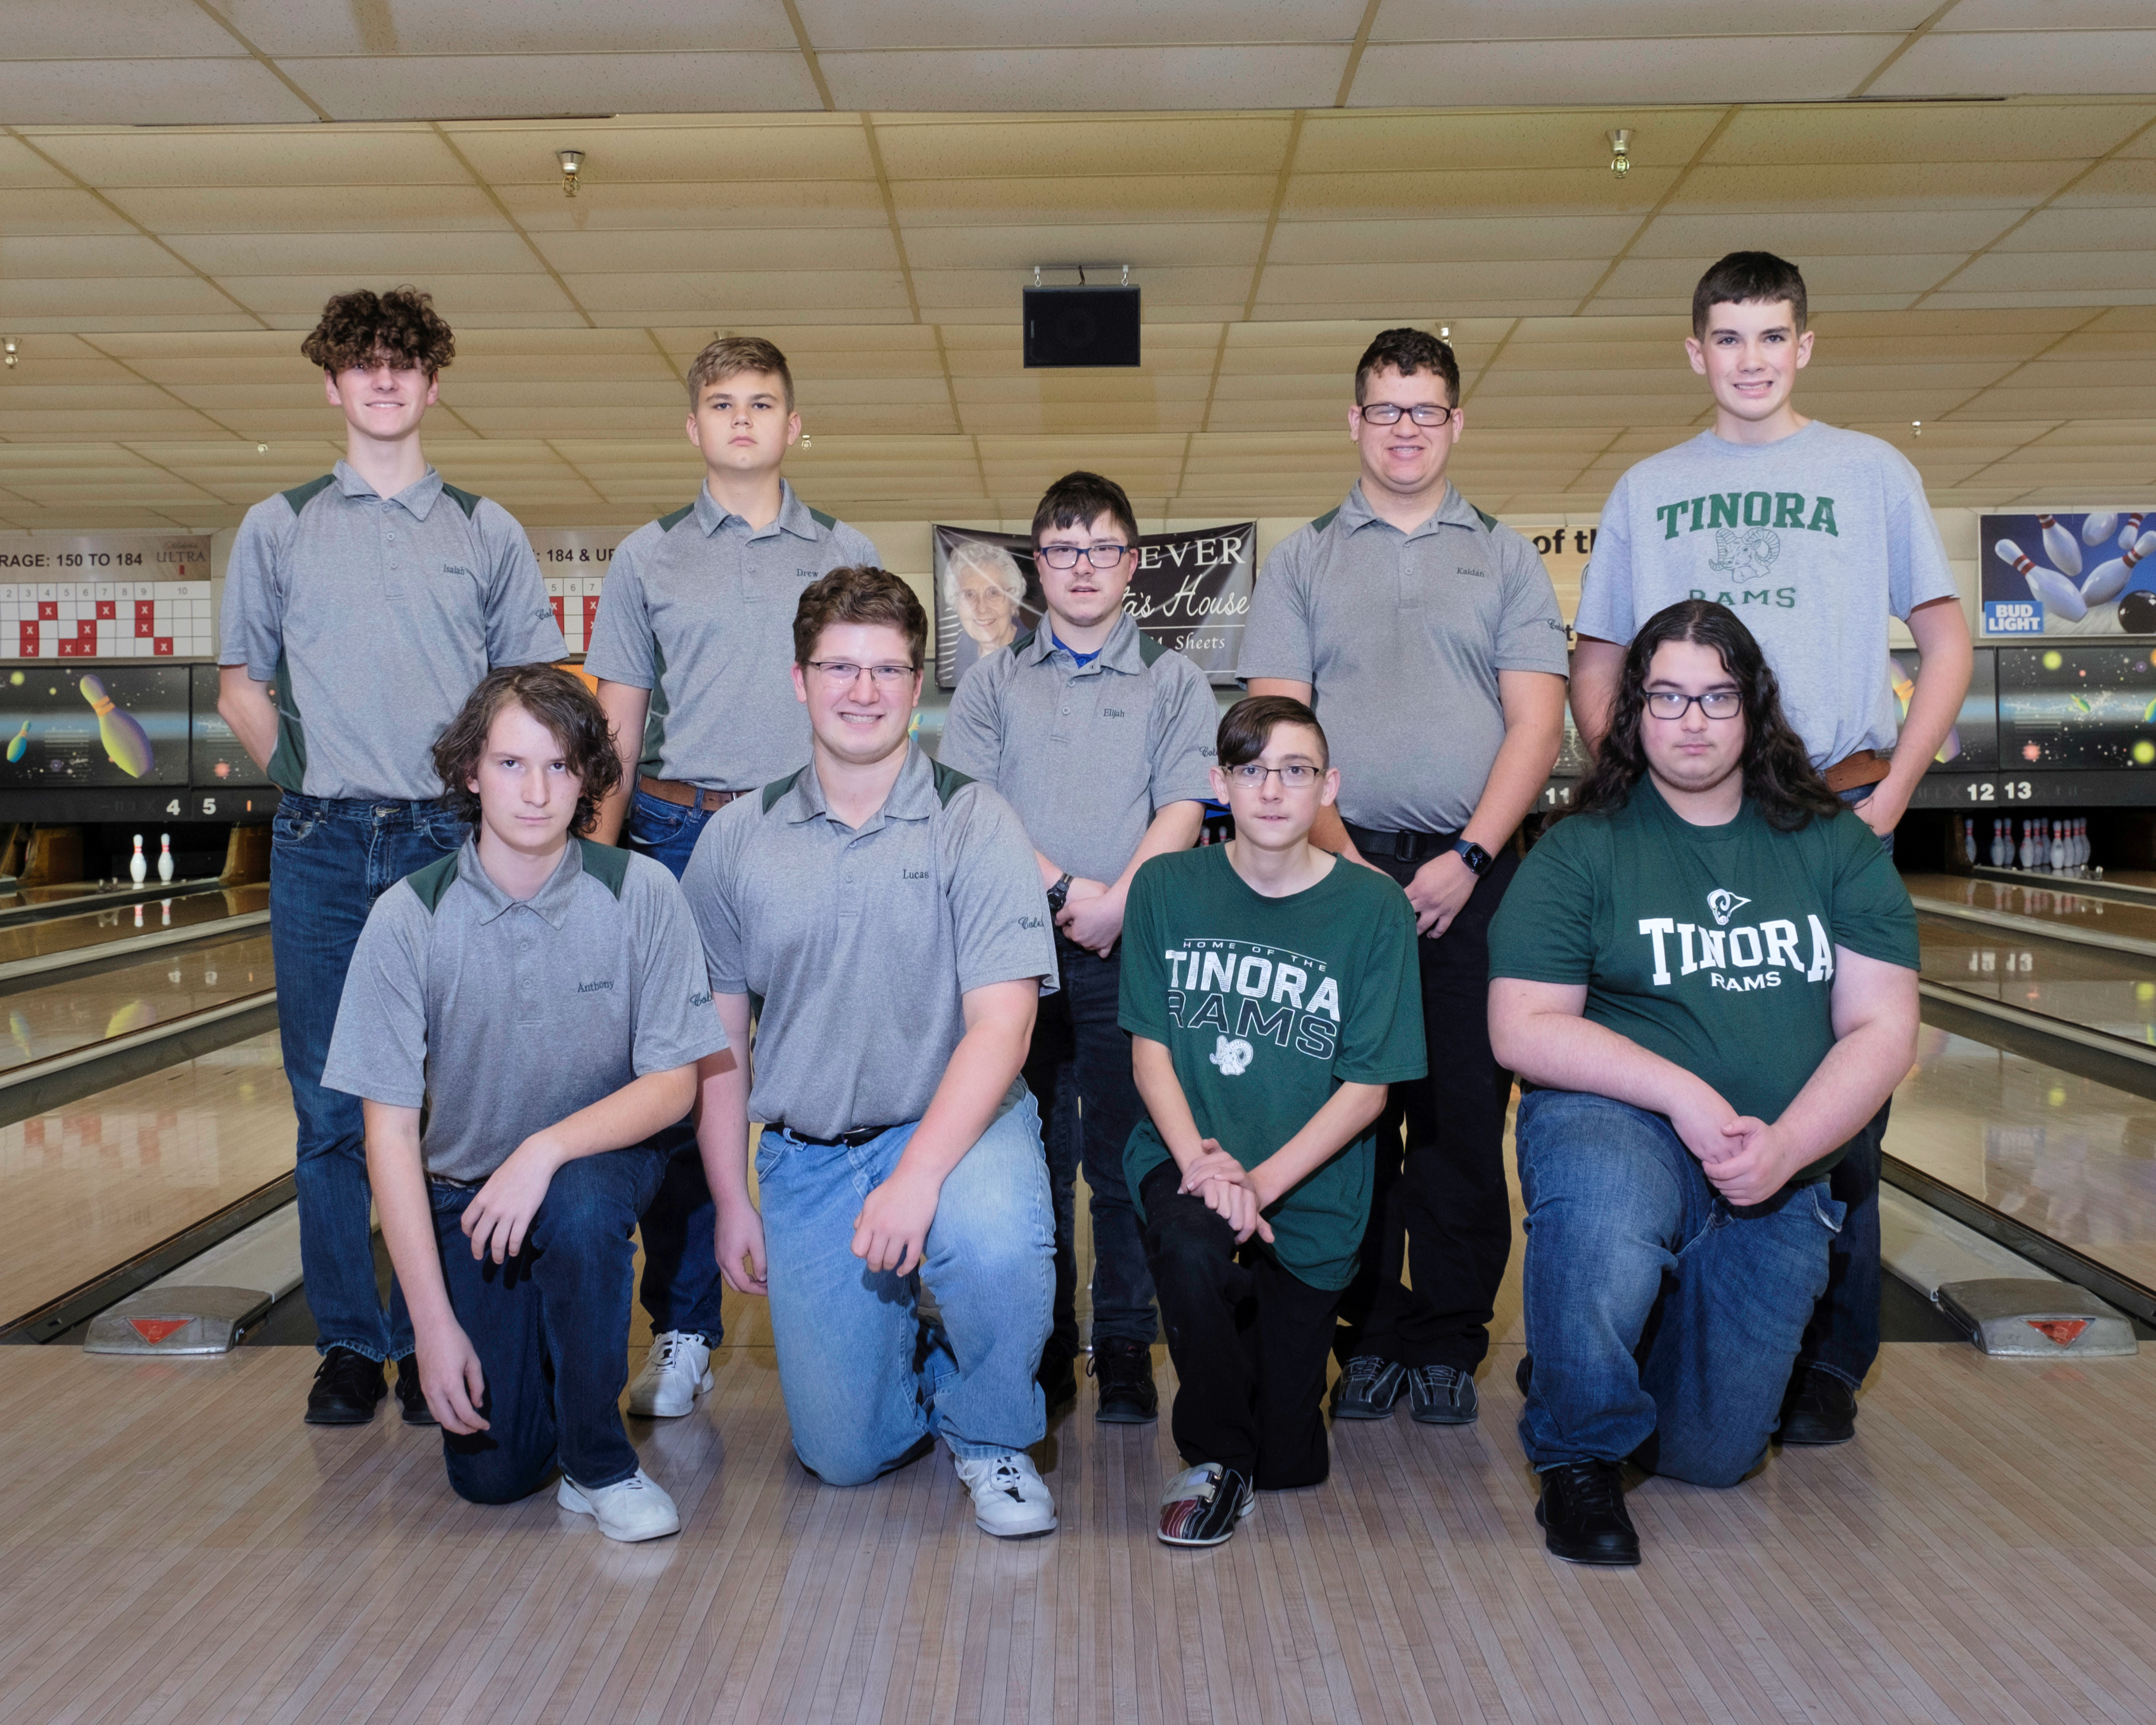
[[558, 699], [1779, 775], [362, 327]]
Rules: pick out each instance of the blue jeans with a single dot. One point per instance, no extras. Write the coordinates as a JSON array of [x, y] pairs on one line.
[[865, 1380], [329, 861], [681, 1288], [551, 1328], [1079, 1068], [1661, 1324]]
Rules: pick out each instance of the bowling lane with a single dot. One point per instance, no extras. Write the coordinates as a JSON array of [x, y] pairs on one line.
[[72, 1012], [2068, 1157], [2057, 908], [82, 934], [87, 1187], [2111, 992]]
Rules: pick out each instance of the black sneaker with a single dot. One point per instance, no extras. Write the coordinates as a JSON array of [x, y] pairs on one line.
[[347, 1388], [1367, 1388], [1438, 1396], [1058, 1378], [1582, 1514], [410, 1397], [1202, 1505], [1124, 1369], [1820, 1409]]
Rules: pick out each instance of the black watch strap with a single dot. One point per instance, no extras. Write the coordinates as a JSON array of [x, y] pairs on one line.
[[1474, 855], [1059, 891]]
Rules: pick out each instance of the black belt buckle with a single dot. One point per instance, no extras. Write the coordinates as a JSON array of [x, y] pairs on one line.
[[853, 1140], [1400, 847]]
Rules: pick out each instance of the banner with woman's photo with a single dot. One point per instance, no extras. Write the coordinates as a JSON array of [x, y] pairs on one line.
[[1192, 592]]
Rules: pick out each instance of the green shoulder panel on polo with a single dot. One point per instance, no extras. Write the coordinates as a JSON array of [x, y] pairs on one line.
[[825, 521], [605, 865], [288, 761], [1324, 520], [1488, 520], [299, 495], [1150, 648], [467, 501], [430, 883], [779, 786], [948, 779], [1023, 642], [668, 523]]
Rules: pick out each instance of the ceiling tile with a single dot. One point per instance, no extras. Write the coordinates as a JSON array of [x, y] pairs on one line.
[[1079, 80], [1760, 69], [490, 86], [451, 27], [2025, 62], [145, 92], [300, 156], [1559, 20]]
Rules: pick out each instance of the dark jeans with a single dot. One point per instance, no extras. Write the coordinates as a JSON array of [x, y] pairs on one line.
[[1079, 1070], [330, 861], [681, 1288], [1445, 1194], [1249, 1340], [551, 1328]]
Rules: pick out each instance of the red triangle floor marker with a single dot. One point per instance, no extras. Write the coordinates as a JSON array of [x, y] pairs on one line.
[[2064, 1331], [154, 1330]]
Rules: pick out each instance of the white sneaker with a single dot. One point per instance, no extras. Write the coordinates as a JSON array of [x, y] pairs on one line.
[[635, 1508], [1009, 1500], [675, 1372]]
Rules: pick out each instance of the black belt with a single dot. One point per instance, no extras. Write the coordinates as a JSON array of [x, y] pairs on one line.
[[1401, 847], [853, 1140]]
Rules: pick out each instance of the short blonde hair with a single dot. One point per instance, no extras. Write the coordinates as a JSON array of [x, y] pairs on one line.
[[993, 561], [729, 356]]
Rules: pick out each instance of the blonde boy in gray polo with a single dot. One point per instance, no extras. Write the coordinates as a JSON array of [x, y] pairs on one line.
[[693, 648], [1101, 738]]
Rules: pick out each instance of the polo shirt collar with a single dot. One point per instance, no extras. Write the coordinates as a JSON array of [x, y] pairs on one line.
[[551, 901], [1119, 652], [1453, 510], [912, 796], [418, 498], [793, 515]]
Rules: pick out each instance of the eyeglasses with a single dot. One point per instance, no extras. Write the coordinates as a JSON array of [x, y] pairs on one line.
[[1066, 556], [1250, 775], [1716, 703], [1388, 412], [840, 672]]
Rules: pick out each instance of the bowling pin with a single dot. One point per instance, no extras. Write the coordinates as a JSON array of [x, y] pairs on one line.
[[2056, 855], [2048, 589], [138, 869], [2065, 549], [138, 916], [1969, 841], [125, 745], [165, 862], [1999, 844], [2131, 531], [165, 913], [2097, 528], [2106, 580]]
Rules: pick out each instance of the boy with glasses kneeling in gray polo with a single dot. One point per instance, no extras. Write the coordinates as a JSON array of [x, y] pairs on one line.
[[882, 917], [543, 997]]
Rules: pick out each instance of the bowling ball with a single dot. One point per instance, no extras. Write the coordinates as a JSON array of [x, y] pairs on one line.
[[2137, 613]]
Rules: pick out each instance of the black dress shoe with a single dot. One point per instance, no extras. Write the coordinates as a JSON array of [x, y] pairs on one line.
[[1821, 1410], [1058, 1378], [1582, 1513], [1124, 1371], [410, 1397], [347, 1388]]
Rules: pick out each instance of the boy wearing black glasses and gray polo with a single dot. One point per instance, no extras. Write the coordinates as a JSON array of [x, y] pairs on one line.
[[1101, 738]]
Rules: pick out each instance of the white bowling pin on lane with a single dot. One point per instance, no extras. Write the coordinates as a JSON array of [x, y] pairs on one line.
[[2056, 853], [138, 868], [165, 856], [2097, 528], [2106, 581], [1968, 841], [2065, 549]]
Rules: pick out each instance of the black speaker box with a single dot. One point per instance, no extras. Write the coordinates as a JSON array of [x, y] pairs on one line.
[[1081, 326]]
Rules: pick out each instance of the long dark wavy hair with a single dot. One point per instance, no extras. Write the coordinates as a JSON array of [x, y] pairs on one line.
[[558, 699], [1779, 775]]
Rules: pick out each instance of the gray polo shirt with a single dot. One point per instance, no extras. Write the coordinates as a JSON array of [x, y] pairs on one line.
[[1087, 754], [375, 617], [1402, 635], [858, 944], [698, 608], [507, 1016]]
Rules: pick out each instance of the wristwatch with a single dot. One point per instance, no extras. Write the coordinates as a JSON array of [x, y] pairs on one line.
[[1059, 892], [1474, 855]]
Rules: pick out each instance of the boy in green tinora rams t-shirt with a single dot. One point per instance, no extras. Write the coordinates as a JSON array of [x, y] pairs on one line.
[[1706, 979], [1272, 994]]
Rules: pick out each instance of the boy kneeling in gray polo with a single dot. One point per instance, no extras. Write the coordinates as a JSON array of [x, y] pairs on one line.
[[882, 917], [542, 997]]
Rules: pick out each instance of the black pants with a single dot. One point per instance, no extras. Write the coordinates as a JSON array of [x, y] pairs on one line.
[[1444, 1194], [1249, 1341]]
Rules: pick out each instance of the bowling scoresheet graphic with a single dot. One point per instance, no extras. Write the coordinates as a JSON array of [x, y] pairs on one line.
[[2088, 573], [115, 725], [573, 561], [105, 596]]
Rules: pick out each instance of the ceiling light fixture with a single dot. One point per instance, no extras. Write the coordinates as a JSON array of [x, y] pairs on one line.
[[1620, 152], [1916, 427], [573, 163], [8, 352], [1444, 332]]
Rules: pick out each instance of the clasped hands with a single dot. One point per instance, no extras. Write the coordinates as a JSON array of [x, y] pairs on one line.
[[1229, 1191], [1745, 1158]]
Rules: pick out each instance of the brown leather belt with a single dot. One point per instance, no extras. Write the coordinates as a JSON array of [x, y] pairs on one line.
[[684, 796], [1865, 767]]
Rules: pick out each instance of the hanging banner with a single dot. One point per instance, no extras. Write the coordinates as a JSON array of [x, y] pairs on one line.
[[2089, 573], [1191, 592]]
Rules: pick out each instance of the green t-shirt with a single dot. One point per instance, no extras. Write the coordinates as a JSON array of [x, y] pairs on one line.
[[1267, 1006], [1712, 946]]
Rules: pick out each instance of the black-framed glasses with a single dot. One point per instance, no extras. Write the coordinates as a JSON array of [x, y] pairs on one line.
[[1066, 556], [1423, 413], [839, 672], [1250, 775], [1716, 703]]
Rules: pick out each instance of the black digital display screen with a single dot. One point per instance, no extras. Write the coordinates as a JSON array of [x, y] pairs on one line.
[[2074, 706], [92, 725]]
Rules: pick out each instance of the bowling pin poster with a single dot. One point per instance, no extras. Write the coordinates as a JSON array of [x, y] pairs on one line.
[[106, 725], [2075, 572]]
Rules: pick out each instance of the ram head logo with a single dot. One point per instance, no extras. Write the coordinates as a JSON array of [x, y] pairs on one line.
[[1725, 904], [1231, 1054]]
